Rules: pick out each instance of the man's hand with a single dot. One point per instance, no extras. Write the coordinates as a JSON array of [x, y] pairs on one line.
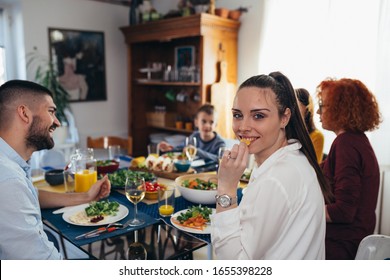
[[100, 189]]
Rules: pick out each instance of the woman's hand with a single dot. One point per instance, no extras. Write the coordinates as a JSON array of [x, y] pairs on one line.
[[100, 189], [231, 168]]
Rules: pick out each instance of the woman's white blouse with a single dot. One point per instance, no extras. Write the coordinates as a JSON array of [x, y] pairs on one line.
[[281, 215]]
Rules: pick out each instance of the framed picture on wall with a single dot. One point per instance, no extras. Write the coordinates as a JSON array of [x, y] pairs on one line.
[[80, 59], [184, 56]]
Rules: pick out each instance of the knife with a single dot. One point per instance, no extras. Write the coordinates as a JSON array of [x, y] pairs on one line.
[[63, 209]]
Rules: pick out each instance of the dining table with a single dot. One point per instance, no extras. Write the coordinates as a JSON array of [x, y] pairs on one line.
[[159, 238]]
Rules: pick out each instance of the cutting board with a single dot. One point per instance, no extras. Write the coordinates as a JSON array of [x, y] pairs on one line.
[[222, 95]]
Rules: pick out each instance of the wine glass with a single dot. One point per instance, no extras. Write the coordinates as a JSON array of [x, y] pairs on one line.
[[190, 148], [135, 191], [221, 151], [136, 250]]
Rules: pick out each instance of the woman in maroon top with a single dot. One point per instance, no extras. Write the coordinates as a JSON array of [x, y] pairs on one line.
[[349, 109]]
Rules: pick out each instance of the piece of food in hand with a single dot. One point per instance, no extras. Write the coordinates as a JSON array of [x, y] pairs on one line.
[[167, 165], [246, 141], [157, 166], [150, 161]]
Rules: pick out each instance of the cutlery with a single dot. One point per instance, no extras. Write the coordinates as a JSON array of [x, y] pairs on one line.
[[62, 210], [96, 232], [109, 228]]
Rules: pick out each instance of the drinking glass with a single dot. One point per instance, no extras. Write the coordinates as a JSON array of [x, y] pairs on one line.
[[135, 191], [153, 149], [136, 250], [166, 201], [69, 180], [114, 152], [190, 148], [221, 151]]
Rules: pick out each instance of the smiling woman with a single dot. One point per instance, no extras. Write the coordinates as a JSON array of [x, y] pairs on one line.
[[287, 185]]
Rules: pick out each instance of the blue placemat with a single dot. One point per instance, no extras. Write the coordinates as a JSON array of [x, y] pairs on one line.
[[71, 231]]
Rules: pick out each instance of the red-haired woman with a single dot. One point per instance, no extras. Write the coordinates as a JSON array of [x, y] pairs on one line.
[[349, 109]]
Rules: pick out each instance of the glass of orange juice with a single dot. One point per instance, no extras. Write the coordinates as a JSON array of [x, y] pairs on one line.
[[154, 149], [84, 179], [166, 201], [85, 172]]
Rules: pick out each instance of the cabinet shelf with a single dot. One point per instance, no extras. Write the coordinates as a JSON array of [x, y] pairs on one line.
[[163, 83], [172, 129]]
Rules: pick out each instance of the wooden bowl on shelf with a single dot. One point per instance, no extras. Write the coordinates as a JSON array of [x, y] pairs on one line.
[[222, 12], [234, 14]]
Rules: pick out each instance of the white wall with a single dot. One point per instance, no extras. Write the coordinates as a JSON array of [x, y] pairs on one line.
[[92, 118]]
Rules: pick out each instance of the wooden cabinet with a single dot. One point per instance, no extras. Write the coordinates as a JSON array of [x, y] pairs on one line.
[[213, 38]]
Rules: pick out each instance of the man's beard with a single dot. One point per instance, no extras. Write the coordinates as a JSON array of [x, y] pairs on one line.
[[39, 137]]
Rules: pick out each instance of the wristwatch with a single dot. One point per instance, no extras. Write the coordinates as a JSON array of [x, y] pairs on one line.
[[225, 201]]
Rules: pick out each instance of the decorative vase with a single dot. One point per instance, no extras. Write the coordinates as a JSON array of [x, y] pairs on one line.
[[201, 8]]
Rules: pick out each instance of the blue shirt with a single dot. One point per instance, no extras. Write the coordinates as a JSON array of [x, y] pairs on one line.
[[22, 235]]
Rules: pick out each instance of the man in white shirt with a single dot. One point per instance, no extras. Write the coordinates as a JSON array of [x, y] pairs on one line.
[[27, 123]]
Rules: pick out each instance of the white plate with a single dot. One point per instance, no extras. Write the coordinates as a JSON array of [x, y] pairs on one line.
[[206, 230], [67, 216], [198, 163]]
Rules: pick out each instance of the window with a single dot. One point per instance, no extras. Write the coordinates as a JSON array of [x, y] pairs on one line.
[[2, 50]]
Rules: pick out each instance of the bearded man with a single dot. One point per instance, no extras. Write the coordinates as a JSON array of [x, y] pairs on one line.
[[27, 122]]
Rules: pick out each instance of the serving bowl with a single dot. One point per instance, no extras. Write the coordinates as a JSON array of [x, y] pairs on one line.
[[182, 165], [197, 195], [54, 177], [106, 166]]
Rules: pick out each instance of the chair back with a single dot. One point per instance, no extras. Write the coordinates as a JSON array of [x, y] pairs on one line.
[[374, 247], [105, 141]]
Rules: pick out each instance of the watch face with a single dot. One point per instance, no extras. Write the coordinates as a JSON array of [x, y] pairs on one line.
[[224, 201]]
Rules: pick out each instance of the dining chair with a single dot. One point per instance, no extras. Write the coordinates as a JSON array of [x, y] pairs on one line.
[[104, 142], [374, 247]]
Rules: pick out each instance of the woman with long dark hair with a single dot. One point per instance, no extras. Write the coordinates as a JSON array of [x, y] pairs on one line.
[[282, 214]]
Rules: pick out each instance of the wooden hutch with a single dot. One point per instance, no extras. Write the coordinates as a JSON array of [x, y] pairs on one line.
[[213, 38]]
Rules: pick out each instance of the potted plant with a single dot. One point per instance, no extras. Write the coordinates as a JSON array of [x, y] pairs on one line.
[[46, 74]]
